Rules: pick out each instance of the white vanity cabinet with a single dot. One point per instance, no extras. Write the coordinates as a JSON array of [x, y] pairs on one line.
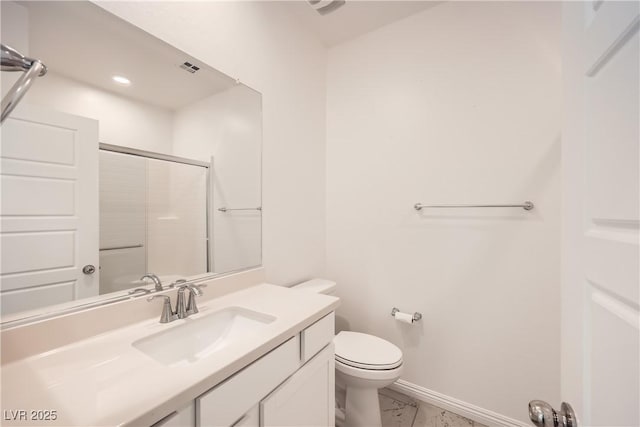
[[228, 402], [306, 398], [292, 385]]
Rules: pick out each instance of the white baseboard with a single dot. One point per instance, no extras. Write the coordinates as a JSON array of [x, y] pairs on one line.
[[467, 410]]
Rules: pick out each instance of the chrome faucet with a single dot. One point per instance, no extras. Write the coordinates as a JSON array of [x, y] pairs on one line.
[[167, 315], [155, 279], [192, 308], [182, 310], [185, 310]]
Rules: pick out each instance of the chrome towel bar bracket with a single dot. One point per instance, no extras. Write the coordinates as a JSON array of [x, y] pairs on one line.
[[527, 206]]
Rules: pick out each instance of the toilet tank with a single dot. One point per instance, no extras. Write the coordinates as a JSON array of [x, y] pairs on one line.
[[318, 286]]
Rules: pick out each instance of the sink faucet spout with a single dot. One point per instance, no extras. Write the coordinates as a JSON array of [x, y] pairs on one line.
[[155, 279]]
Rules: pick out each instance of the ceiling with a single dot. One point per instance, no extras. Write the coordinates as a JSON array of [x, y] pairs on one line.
[[83, 42], [354, 18], [63, 34]]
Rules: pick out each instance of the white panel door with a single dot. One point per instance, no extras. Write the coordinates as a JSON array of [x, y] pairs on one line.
[[49, 211], [600, 294]]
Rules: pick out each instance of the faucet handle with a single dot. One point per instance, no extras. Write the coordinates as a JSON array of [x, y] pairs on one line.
[[167, 313], [178, 283], [198, 289], [195, 290]]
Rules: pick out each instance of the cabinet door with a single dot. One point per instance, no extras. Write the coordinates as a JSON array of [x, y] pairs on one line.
[[307, 398], [250, 419], [185, 417], [227, 403]]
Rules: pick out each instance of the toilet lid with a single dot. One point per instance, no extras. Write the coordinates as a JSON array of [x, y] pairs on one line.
[[366, 351]]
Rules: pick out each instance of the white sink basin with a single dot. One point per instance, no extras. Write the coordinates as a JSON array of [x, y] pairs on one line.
[[198, 338]]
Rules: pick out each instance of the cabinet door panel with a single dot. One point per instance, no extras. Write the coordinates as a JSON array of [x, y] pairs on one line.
[[226, 403], [307, 398], [250, 419]]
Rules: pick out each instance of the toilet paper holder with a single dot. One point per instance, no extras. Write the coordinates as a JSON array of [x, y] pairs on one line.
[[416, 316]]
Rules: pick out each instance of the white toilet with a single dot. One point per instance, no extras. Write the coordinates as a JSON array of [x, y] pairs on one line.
[[364, 363]]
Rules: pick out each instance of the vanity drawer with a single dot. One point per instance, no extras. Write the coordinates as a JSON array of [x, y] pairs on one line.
[[228, 402], [316, 337]]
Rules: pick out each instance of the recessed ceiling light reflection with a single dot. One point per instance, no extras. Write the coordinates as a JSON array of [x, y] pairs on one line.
[[123, 81]]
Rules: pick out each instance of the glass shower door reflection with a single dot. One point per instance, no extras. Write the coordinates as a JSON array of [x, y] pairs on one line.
[[153, 218], [176, 218]]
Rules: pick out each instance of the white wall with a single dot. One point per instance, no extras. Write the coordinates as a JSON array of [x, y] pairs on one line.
[[228, 126], [263, 46], [123, 121], [457, 104], [14, 32]]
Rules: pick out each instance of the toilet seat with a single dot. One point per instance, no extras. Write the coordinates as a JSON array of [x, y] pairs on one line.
[[364, 351], [369, 367], [369, 376]]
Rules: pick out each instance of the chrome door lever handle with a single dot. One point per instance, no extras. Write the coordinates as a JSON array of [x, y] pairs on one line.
[[542, 414]]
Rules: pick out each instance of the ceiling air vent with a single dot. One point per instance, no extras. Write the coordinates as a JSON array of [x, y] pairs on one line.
[[324, 7], [188, 66]]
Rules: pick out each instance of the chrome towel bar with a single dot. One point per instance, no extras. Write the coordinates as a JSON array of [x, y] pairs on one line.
[[115, 248], [223, 209], [527, 206]]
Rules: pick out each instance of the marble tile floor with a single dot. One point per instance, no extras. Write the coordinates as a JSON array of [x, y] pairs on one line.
[[399, 410]]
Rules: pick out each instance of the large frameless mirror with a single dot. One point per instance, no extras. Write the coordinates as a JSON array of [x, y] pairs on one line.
[[128, 157]]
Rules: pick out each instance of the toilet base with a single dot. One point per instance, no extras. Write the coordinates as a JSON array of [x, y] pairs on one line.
[[362, 408]]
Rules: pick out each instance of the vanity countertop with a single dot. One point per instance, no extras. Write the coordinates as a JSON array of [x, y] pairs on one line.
[[104, 380]]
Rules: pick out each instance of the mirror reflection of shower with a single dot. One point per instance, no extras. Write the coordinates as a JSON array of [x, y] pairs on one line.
[[153, 217]]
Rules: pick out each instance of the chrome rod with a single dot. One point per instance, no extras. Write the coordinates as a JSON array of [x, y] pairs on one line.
[[151, 155], [13, 61], [527, 206], [121, 247], [259, 208]]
